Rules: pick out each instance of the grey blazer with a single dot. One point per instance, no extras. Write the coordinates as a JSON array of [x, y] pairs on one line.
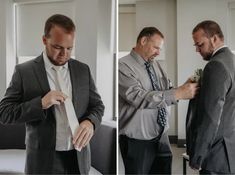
[[22, 104], [212, 142]]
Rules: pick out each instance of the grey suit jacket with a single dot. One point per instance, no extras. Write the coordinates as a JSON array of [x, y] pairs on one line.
[[22, 104], [213, 129]]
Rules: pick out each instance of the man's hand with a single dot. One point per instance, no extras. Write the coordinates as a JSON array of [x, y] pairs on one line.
[[195, 169], [83, 134], [187, 91], [53, 98]]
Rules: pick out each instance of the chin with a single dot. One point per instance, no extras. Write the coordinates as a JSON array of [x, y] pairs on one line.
[[61, 62], [207, 57]]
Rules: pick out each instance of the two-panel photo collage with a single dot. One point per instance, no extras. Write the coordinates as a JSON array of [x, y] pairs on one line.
[[115, 87]]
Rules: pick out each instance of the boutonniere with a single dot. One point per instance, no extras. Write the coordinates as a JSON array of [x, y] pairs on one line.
[[197, 77]]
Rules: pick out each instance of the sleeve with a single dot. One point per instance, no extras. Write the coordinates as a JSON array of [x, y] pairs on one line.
[[131, 90], [216, 83], [12, 107], [96, 107]]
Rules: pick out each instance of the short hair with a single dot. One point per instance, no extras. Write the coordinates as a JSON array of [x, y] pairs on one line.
[[148, 32], [210, 28], [58, 20]]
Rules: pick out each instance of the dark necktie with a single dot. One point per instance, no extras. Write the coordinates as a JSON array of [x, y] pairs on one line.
[[161, 118]]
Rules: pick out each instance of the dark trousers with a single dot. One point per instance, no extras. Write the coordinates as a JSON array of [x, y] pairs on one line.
[[206, 172], [65, 162], [51, 162], [146, 157]]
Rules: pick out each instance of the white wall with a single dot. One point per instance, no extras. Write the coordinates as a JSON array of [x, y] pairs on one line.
[[127, 27], [31, 30], [3, 17], [105, 55], [231, 26], [7, 45], [162, 14], [95, 46]]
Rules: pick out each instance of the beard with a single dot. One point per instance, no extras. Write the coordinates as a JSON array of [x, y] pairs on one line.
[[56, 62], [207, 55]]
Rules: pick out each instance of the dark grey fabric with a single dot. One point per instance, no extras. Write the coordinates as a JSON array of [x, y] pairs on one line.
[[213, 134], [22, 104], [61, 162], [146, 156], [103, 145], [103, 149], [191, 122], [12, 136], [205, 172]]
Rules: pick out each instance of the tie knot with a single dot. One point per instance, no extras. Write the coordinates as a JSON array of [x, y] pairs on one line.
[[147, 64], [57, 68]]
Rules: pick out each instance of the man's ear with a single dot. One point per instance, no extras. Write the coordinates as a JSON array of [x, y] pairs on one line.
[[214, 40], [143, 40], [44, 40]]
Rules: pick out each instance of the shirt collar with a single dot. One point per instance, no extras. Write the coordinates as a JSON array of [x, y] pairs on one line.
[[48, 63], [216, 50], [138, 58]]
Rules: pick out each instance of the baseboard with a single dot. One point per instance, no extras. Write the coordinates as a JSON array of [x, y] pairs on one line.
[[173, 139], [181, 143]]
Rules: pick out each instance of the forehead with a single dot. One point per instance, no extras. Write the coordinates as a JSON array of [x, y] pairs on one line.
[[59, 36], [59, 31], [157, 39], [198, 35]]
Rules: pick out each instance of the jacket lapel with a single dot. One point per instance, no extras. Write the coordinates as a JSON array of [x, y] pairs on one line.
[[41, 75], [76, 84], [83, 157]]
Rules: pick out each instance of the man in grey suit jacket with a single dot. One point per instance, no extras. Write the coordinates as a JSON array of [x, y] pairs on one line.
[[212, 150], [143, 97], [33, 98]]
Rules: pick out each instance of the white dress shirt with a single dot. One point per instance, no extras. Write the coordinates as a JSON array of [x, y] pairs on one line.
[[63, 131]]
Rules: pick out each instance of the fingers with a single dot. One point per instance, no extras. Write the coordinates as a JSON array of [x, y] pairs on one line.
[[83, 134], [83, 138], [53, 98], [77, 134], [86, 139], [79, 137], [187, 91], [60, 98]]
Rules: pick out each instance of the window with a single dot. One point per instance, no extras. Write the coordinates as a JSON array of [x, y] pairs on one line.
[[30, 21]]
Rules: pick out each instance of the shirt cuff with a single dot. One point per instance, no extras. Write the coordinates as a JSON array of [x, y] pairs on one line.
[[169, 96]]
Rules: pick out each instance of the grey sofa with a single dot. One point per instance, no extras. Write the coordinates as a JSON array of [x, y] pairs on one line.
[[12, 149]]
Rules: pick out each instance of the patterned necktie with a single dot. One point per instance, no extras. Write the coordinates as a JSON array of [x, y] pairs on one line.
[[161, 118]]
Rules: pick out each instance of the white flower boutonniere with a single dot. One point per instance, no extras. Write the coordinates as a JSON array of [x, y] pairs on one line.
[[197, 76]]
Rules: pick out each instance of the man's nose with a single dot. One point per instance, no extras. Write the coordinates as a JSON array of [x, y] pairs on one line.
[[63, 51], [157, 52]]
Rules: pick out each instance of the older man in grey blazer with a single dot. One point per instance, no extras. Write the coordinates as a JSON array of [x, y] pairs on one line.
[[37, 98], [213, 137], [145, 97]]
